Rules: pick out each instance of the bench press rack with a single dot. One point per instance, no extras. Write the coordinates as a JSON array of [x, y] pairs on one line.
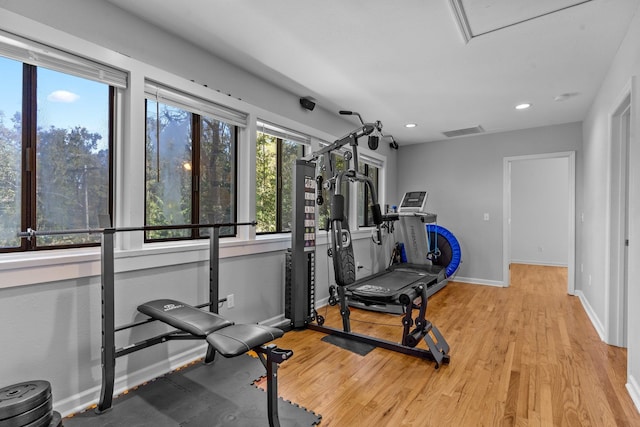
[[269, 355]]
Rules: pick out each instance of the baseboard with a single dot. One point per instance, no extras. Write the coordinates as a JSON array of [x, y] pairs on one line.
[[477, 281], [541, 263], [90, 397], [595, 321], [634, 391]]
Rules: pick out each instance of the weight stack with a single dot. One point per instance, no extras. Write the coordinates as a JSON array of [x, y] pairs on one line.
[[28, 404]]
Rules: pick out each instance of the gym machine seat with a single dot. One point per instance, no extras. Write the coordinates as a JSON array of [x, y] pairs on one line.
[[226, 338]]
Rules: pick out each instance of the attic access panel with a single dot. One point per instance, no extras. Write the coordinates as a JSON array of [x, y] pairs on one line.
[[478, 17]]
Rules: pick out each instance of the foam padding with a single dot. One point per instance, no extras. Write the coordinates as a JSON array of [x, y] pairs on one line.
[[184, 316], [237, 339], [219, 394]]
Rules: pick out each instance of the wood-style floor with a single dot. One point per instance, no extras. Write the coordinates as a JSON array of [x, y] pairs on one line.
[[526, 355]]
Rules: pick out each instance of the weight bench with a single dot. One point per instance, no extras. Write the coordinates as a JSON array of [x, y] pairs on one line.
[[224, 337]]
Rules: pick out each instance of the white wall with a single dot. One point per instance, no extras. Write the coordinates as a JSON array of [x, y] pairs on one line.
[[597, 170], [539, 211], [50, 300], [464, 178]]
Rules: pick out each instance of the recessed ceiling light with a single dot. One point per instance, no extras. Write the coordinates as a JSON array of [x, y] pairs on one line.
[[522, 106], [410, 125]]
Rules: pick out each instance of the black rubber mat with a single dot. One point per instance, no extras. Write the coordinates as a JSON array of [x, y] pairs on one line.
[[220, 394], [353, 346]]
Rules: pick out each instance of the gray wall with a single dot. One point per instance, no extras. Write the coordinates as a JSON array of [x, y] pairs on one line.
[[539, 211], [464, 178]]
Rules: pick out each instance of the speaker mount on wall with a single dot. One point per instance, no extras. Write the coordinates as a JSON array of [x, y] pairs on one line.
[[308, 103]]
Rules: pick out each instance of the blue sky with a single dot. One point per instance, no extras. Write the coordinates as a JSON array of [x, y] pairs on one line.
[[64, 101]]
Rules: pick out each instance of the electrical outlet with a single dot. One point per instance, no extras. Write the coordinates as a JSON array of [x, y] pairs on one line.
[[230, 301]]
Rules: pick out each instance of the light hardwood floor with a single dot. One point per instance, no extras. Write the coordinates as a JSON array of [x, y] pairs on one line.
[[526, 355]]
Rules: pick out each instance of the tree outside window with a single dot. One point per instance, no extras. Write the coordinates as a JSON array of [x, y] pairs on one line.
[[275, 163], [190, 171]]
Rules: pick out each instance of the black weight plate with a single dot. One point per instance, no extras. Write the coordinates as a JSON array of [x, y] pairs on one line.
[[56, 420], [44, 421], [23, 397], [30, 416]]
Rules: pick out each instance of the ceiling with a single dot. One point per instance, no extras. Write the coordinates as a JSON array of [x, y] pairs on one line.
[[408, 61]]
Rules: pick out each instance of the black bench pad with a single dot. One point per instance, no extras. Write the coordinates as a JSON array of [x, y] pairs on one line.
[[184, 316], [238, 339]]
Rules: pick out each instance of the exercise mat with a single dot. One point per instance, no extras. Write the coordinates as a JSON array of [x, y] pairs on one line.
[[219, 394]]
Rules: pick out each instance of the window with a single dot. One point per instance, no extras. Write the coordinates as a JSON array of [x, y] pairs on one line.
[[56, 115], [339, 164], [276, 152], [365, 214], [191, 163]]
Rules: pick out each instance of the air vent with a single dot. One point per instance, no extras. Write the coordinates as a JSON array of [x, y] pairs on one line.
[[463, 132]]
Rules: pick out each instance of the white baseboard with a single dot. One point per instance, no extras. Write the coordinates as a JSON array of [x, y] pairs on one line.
[[90, 397], [595, 321], [542, 263], [634, 391], [477, 281]]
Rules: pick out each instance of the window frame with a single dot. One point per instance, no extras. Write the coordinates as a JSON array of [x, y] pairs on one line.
[[366, 196], [281, 135], [29, 146], [196, 149], [198, 109]]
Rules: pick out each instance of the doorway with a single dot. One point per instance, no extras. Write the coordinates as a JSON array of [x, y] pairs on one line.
[[567, 235], [617, 289]]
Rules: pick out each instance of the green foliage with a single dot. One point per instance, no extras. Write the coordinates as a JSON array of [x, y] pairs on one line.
[[266, 182], [170, 167], [72, 183], [10, 181]]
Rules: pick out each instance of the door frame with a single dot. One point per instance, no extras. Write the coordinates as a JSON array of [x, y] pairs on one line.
[[506, 213], [616, 266]]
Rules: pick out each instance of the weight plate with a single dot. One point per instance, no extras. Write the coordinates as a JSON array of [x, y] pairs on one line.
[[31, 416], [23, 397], [56, 420], [44, 421]]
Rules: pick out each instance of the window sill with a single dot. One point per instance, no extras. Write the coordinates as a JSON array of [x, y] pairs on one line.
[[21, 269]]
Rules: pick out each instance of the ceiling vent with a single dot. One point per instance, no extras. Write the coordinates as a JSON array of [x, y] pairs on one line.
[[463, 132]]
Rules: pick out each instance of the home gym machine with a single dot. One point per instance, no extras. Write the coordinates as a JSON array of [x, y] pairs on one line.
[[300, 289], [424, 253]]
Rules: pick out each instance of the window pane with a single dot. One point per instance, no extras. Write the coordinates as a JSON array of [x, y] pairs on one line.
[[266, 182], [168, 169], [365, 214], [291, 150], [217, 173], [10, 149], [362, 196], [72, 156], [339, 165]]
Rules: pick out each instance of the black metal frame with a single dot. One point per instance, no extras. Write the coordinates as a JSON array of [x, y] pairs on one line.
[[109, 353], [438, 349]]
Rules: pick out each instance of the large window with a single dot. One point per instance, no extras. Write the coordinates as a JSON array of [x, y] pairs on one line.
[[190, 165], [276, 152], [55, 149], [365, 214]]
